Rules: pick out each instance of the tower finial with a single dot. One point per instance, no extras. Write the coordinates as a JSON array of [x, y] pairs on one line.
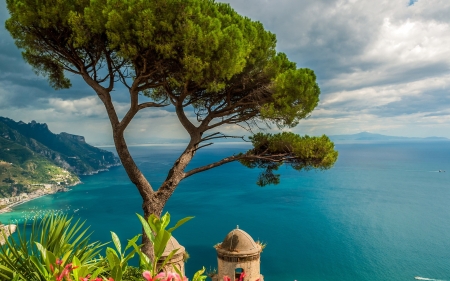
[[237, 226]]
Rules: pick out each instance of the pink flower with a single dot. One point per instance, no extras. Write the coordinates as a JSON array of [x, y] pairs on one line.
[[147, 275], [59, 261], [85, 278], [162, 276], [226, 278], [241, 277]]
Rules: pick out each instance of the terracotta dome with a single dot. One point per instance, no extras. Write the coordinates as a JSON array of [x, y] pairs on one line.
[[238, 242], [173, 244]]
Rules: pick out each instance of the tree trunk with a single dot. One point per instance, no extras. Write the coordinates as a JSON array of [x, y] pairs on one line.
[[158, 200]]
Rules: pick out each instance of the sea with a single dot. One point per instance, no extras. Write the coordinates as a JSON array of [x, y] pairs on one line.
[[381, 213]]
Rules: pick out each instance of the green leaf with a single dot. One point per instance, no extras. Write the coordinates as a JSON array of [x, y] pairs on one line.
[[146, 227], [180, 223], [6, 273], [132, 240], [96, 273], [112, 257], [198, 275], [116, 273], [76, 263], [164, 221], [167, 259], [116, 241], [38, 266], [66, 256], [42, 250], [161, 242], [129, 256]]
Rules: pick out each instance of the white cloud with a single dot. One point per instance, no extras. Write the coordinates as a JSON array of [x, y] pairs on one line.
[[86, 107], [374, 96], [383, 66]]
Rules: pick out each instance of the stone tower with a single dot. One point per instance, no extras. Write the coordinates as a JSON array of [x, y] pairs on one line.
[[236, 254], [177, 259]]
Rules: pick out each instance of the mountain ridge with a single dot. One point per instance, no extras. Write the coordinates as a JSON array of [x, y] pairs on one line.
[[66, 150], [366, 136], [34, 161]]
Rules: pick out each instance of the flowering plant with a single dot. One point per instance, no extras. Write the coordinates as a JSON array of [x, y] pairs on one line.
[[53, 242], [61, 252], [156, 229]]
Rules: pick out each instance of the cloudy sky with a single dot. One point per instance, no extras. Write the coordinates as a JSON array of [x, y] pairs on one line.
[[383, 67]]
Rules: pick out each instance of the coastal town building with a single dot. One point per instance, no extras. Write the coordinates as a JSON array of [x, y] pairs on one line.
[[177, 259], [237, 254]]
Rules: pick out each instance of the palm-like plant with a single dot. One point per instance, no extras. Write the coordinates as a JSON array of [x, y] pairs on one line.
[[32, 254]]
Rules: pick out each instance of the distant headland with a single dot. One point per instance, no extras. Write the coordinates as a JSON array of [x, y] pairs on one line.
[[366, 136], [35, 162]]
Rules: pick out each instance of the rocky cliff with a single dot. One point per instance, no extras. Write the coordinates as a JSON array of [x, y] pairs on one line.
[[70, 152]]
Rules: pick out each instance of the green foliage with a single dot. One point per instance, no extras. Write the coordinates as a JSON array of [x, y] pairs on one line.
[[296, 94], [117, 261], [156, 230], [56, 246], [8, 180], [132, 273], [219, 59], [270, 151], [32, 254]]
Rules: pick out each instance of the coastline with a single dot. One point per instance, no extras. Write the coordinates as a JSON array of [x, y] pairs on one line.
[[34, 195], [23, 198]]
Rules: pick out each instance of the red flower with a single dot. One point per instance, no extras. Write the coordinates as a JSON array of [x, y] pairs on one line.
[[241, 277], [226, 278]]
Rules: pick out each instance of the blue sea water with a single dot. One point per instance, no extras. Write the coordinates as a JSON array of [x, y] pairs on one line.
[[382, 212]]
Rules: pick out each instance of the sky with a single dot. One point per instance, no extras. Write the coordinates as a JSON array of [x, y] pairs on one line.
[[382, 66]]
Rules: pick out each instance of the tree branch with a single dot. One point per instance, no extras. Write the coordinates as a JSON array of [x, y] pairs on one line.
[[151, 104], [215, 136], [213, 165]]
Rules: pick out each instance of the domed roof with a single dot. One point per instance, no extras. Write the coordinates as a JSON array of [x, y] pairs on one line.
[[173, 244], [238, 242]]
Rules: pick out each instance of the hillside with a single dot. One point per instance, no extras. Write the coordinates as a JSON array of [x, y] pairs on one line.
[[24, 171], [65, 150], [33, 159]]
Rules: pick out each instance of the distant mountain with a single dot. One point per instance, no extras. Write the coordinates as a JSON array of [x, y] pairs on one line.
[[32, 158], [24, 171], [366, 136], [67, 151]]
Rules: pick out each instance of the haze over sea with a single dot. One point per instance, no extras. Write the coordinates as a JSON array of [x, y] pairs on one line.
[[382, 213]]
